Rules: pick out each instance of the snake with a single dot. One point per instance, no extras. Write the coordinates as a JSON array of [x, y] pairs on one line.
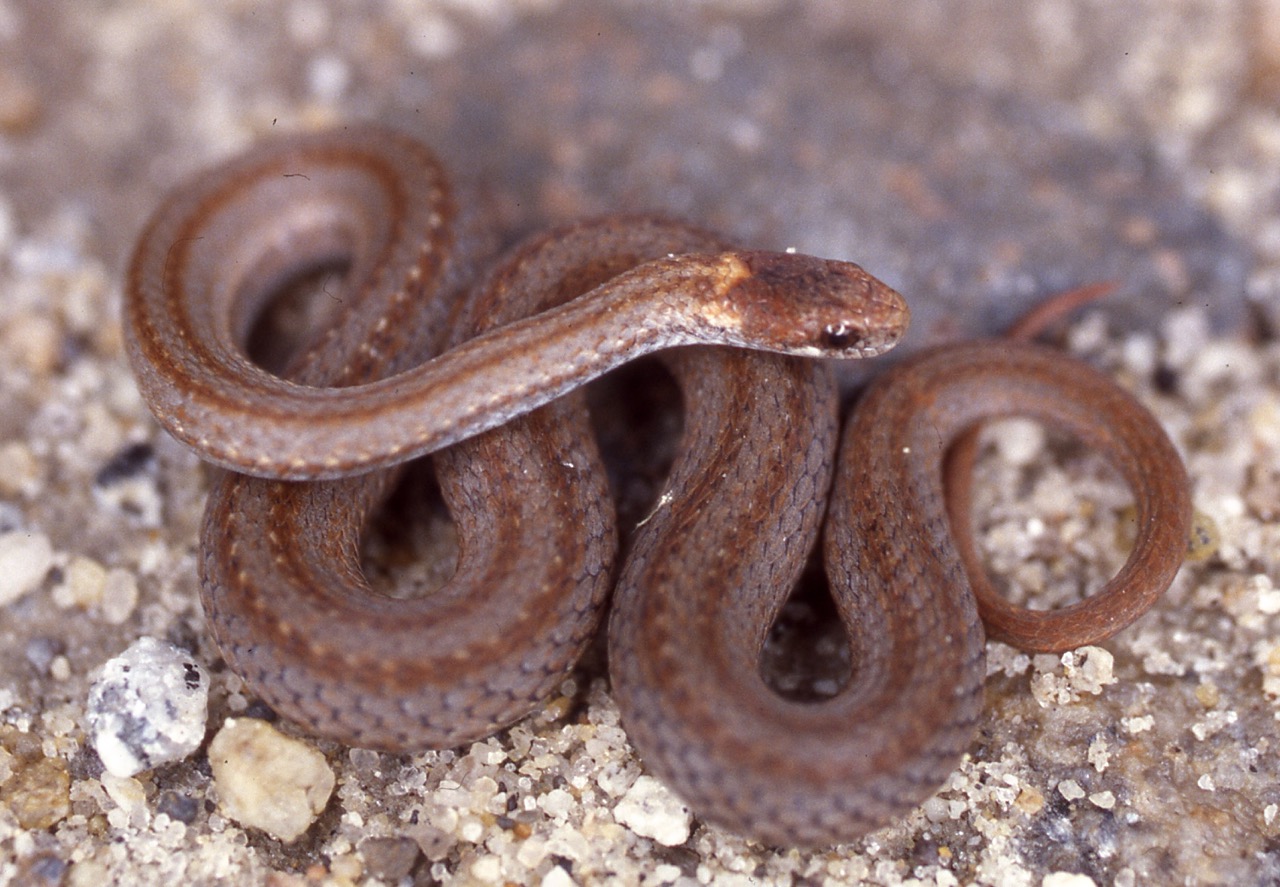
[[431, 348]]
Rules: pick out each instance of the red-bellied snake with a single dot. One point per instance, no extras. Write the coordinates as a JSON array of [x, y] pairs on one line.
[[414, 359]]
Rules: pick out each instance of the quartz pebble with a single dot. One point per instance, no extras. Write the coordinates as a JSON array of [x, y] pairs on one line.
[[147, 708], [25, 559], [650, 810], [267, 780]]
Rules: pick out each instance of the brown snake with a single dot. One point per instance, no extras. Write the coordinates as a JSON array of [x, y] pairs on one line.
[[706, 574]]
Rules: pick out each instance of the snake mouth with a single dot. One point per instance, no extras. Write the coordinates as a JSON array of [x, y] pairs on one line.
[[850, 340]]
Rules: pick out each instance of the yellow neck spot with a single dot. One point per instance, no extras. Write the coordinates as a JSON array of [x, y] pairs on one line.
[[720, 311]]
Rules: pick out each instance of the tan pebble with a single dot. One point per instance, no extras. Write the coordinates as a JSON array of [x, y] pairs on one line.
[[101, 434], [1263, 423], [267, 780], [348, 867], [88, 873], [119, 596], [1205, 538], [21, 473], [1207, 694], [38, 793], [1030, 801], [84, 580], [128, 794], [34, 342]]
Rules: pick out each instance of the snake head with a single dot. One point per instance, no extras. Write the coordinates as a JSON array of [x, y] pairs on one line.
[[810, 307]]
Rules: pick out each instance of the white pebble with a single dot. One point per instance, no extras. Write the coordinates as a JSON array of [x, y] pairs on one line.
[[83, 581], [487, 870], [557, 803], [1018, 440], [129, 795], [1070, 789], [147, 708], [119, 596], [25, 559], [651, 810], [557, 877], [1089, 669], [1138, 724], [1067, 879], [1104, 799], [267, 780]]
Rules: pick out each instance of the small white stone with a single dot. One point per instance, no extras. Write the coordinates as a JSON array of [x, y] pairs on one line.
[[1099, 755], [83, 581], [471, 830], [129, 795], [1089, 669], [119, 596], [666, 873], [1070, 789], [1104, 799], [20, 469], [1019, 441], [557, 803], [267, 780], [1067, 879], [1206, 783], [1138, 724], [60, 668], [147, 708], [557, 877], [25, 559], [651, 810], [487, 870]]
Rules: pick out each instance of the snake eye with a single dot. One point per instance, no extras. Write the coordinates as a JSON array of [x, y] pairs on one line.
[[839, 336]]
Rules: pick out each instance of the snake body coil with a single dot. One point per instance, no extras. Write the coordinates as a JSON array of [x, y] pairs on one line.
[[402, 367]]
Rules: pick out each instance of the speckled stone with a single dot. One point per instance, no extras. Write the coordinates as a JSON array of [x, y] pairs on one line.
[[148, 707]]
